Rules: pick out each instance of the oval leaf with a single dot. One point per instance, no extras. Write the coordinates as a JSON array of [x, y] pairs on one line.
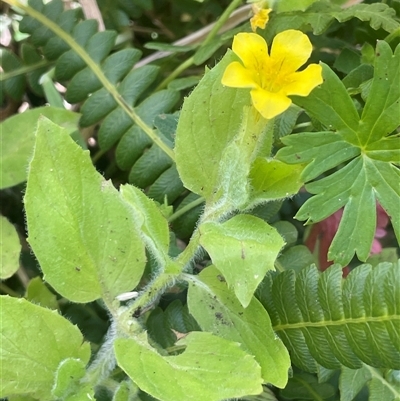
[[10, 248], [17, 138], [45, 339], [243, 249], [210, 369], [80, 229]]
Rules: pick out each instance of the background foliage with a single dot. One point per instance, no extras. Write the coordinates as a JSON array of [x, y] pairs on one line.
[[117, 136]]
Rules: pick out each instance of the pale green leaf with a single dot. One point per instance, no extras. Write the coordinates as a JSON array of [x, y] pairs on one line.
[[17, 138], [210, 368], [10, 249], [67, 377], [39, 294], [44, 340], [272, 179], [209, 120], [216, 309], [126, 391], [149, 220], [80, 229], [243, 249]]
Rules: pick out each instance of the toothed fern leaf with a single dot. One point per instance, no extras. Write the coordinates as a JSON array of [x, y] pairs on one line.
[[324, 319]]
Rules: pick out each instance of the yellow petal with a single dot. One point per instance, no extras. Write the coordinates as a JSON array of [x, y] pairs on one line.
[[290, 50], [252, 49], [303, 82], [269, 104], [260, 19], [236, 76]]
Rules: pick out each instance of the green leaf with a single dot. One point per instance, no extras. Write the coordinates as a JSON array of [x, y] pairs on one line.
[[318, 17], [243, 249], [67, 377], [379, 15], [81, 231], [115, 67], [272, 179], [306, 387], [296, 257], [152, 225], [209, 120], [293, 5], [322, 320], [285, 122], [216, 309], [126, 391], [45, 339], [179, 318], [134, 142], [17, 137], [118, 122], [384, 384], [370, 175], [10, 249], [351, 381], [159, 330], [332, 106], [226, 370], [380, 115], [14, 86], [38, 293]]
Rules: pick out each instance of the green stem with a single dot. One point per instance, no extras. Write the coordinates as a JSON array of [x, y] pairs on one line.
[[7, 290], [186, 209], [104, 361], [395, 34], [211, 35], [175, 73], [153, 290], [97, 71], [218, 25], [24, 70]]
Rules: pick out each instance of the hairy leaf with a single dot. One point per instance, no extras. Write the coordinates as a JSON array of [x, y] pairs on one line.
[[17, 137], [38, 293], [10, 248], [149, 221], [216, 309], [243, 249], [209, 120], [45, 339], [226, 370], [80, 229]]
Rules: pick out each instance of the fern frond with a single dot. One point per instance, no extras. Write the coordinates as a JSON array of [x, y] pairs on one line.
[[20, 71], [324, 319], [110, 88]]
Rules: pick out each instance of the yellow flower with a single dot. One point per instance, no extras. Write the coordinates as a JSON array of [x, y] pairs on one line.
[[272, 78], [260, 17]]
